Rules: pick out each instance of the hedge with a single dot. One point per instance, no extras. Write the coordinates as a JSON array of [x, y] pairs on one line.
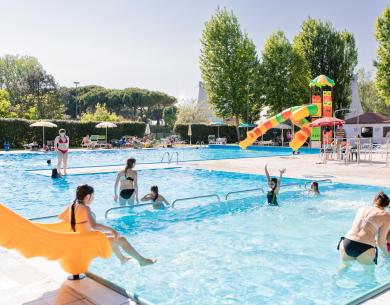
[[17, 131], [200, 132]]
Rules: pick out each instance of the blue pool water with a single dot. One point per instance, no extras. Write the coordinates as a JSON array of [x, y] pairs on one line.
[[234, 252]]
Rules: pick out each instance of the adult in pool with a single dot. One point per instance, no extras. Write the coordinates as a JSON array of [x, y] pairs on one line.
[[81, 219], [369, 230], [61, 145], [158, 200], [273, 186], [127, 178]]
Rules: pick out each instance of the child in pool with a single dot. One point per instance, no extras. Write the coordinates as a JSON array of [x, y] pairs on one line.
[[314, 188], [157, 199]]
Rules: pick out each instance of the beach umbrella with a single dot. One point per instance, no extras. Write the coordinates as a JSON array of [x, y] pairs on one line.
[[322, 81], [106, 125], [327, 122], [283, 127], [147, 129], [189, 133], [43, 124], [218, 124], [246, 125]]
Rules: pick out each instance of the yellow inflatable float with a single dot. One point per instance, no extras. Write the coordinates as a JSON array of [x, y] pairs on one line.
[[56, 241], [296, 114]]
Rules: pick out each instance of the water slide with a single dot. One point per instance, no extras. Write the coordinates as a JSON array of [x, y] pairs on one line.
[[296, 114], [74, 251]]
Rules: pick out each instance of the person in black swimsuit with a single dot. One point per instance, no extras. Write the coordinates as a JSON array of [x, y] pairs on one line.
[[274, 186], [128, 184], [369, 230]]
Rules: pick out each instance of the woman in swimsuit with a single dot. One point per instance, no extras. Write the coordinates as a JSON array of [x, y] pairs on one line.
[[274, 186], [157, 199], [81, 219], [61, 145], [369, 230], [128, 184]]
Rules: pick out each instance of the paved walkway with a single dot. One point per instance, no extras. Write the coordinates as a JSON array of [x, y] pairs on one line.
[[37, 281]]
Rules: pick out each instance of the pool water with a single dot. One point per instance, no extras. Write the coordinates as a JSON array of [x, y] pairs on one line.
[[239, 251], [118, 156]]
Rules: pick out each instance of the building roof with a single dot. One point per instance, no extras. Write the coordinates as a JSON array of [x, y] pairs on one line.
[[369, 118]]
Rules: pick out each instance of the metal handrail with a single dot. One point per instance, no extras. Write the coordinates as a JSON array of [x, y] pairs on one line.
[[171, 157], [310, 182], [196, 197], [43, 217], [165, 153], [126, 207], [290, 184], [244, 191]]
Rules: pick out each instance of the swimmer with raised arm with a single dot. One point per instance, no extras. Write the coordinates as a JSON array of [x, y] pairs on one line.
[[369, 230], [80, 217], [128, 180], [273, 186], [158, 200]]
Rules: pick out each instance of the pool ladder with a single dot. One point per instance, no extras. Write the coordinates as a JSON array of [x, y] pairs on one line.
[[170, 157]]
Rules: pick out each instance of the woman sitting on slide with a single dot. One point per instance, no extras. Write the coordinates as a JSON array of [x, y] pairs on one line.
[[128, 184], [274, 186], [157, 199], [81, 220], [369, 229]]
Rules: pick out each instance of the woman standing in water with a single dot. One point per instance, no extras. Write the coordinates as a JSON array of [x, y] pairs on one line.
[[80, 217], [61, 145], [128, 189], [369, 230], [274, 186]]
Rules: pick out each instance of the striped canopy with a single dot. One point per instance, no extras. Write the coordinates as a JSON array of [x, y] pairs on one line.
[[322, 81]]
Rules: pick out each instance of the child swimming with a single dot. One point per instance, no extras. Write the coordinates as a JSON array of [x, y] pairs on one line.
[[157, 199], [314, 188]]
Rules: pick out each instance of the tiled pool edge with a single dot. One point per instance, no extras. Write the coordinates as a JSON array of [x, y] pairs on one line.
[[134, 297], [370, 294]]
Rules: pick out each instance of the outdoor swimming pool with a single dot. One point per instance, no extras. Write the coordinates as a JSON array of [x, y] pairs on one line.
[[234, 252]]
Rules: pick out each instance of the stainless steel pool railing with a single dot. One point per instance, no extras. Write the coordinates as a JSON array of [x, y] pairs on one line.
[[310, 182], [244, 191], [196, 197], [163, 156], [175, 153], [126, 207]]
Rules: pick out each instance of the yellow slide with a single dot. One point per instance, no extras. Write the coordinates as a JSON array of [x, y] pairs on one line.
[[74, 251]]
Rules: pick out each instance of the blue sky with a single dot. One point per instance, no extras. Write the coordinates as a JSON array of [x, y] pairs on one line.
[[155, 44]]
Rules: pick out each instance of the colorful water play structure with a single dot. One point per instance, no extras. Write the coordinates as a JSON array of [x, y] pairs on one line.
[[321, 106], [53, 241], [297, 115]]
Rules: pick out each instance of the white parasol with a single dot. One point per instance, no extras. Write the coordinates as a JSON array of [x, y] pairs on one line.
[[43, 124]]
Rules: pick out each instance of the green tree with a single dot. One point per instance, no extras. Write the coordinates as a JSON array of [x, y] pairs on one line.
[[170, 116], [100, 114], [229, 65], [369, 96], [329, 52], [191, 114], [5, 105], [382, 63], [284, 74], [31, 88]]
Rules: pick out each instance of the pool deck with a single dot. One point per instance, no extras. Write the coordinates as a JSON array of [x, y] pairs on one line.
[[40, 282]]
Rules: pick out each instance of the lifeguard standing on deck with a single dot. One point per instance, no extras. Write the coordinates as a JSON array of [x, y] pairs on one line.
[[61, 145]]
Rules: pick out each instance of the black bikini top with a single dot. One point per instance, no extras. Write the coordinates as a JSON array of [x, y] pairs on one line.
[[129, 178]]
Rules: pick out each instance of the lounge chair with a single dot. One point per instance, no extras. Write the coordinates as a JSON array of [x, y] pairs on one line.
[[87, 142], [211, 139], [221, 141]]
